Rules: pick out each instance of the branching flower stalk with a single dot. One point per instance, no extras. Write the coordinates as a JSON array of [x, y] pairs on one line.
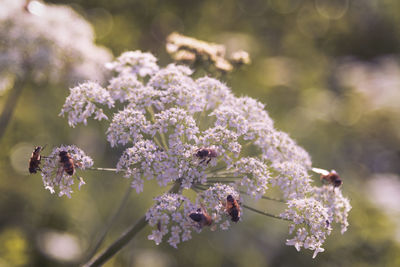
[[191, 133], [10, 105], [108, 225]]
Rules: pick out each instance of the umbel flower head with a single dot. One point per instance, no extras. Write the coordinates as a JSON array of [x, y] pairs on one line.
[[48, 43], [188, 50], [59, 169], [196, 133], [170, 213]]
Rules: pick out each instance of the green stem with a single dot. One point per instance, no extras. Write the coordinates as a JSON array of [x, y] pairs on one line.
[[195, 189], [102, 169], [201, 186], [221, 181], [109, 223], [10, 105], [264, 213], [216, 170], [158, 142], [163, 141], [121, 242], [265, 197], [246, 145], [127, 236], [274, 199], [224, 177]]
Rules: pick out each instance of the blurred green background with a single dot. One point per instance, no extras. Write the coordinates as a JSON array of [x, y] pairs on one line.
[[329, 74]]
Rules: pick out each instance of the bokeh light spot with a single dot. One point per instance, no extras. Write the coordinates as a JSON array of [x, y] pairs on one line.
[[102, 21], [36, 8], [311, 24], [60, 246], [347, 110], [252, 7], [19, 157], [332, 9], [285, 6]]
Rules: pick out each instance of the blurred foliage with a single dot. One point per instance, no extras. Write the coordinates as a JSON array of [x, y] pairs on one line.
[[296, 47]]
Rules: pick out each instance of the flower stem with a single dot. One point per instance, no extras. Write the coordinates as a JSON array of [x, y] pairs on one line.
[[109, 223], [201, 187], [224, 177], [265, 197], [216, 170], [221, 181], [264, 213], [127, 236], [163, 141], [274, 199], [102, 169], [121, 242], [10, 105]]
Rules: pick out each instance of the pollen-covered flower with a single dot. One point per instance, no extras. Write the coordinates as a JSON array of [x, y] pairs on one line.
[[59, 169]]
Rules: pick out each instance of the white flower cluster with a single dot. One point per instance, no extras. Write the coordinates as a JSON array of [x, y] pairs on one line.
[[197, 133], [310, 223], [48, 42], [127, 126], [293, 179], [171, 214], [135, 63], [214, 199], [256, 176], [54, 172], [313, 217], [81, 103], [337, 205]]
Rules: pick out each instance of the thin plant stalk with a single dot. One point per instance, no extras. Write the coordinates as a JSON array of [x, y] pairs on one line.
[[264, 213], [224, 177], [10, 105], [221, 181], [110, 223], [118, 244], [126, 237], [266, 197], [102, 169], [274, 199]]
